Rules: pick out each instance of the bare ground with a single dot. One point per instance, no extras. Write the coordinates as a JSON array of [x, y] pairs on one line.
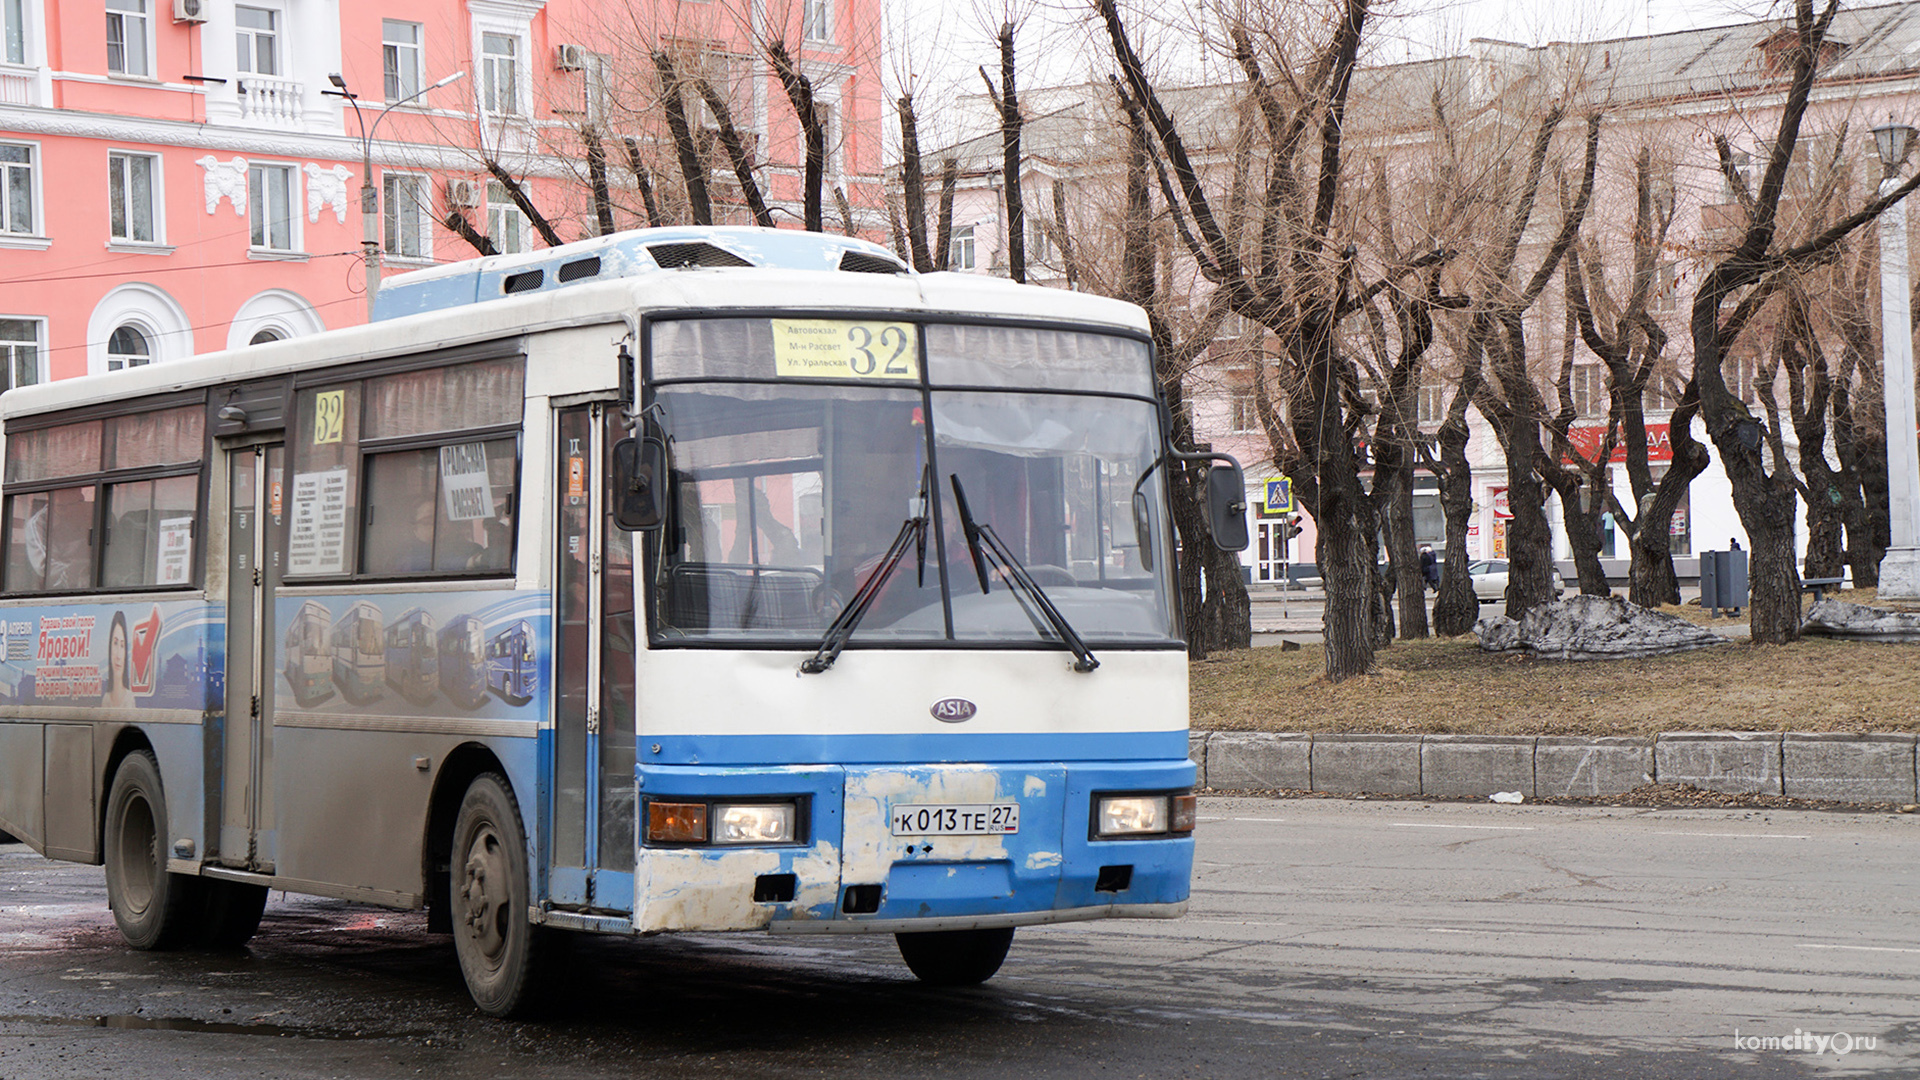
[[1448, 686]]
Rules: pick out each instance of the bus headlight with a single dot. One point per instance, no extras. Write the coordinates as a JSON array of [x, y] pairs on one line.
[[1144, 815], [754, 823]]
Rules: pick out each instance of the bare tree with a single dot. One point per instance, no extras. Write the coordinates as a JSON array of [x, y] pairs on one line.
[[1764, 493]]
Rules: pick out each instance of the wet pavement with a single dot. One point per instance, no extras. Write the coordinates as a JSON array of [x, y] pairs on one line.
[[1326, 939]]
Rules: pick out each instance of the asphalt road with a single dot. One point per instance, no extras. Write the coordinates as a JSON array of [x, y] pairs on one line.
[[1326, 938]]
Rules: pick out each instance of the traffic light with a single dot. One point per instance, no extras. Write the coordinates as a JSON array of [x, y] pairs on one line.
[[1290, 527]]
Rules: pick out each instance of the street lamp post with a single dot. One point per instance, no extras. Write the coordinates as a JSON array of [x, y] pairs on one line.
[[1900, 568], [370, 195]]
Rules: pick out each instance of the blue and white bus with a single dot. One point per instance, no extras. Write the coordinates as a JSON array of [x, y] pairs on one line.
[[839, 599]]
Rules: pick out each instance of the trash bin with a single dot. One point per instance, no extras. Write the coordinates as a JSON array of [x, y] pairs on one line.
[[1723, 580]]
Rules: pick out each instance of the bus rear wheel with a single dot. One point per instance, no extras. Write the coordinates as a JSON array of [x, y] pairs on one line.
[[955, 957], [154, 909], [501, 952]]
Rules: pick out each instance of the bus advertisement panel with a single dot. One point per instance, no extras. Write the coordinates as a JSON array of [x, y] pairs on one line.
[[114, 656], [382, 655]]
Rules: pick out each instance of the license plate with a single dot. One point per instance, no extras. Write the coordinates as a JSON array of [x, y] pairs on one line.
[[981, 819]]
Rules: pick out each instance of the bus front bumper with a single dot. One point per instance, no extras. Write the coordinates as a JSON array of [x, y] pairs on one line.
[[853, 873]]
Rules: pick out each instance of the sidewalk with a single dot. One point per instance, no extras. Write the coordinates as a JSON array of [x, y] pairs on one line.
[[1297, 616], [1839, 766]]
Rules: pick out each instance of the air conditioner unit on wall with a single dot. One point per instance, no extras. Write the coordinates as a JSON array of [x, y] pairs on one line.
[[569, 58], [190, 11], [462, 192]]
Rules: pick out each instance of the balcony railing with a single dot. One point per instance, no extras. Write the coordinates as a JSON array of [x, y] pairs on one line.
[[275, 102], [16, 86]]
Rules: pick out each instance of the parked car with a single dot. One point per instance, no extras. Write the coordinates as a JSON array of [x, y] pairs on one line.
[[1490, 579]]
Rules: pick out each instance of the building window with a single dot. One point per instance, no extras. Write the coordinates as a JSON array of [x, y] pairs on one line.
[[829, 116], [960, 255], [13, 29], [400, 58], [128, 348], [1245, 416], [816, 20], [1590, 390], [1039, 240], [127, 37], [16, 189], [1433, 403], [500, 74], [261, 337], [130, 189], [270, 206], [506, 226], [256, 40], [408, 230], [19, 352]]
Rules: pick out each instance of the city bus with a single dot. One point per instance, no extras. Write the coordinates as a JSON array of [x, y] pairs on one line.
[[778, 588]]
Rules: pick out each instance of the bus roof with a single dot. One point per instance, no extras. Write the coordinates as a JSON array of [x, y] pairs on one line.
[[623, 299]]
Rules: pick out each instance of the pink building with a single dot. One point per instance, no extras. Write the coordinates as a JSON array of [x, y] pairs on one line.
[[180, 176]]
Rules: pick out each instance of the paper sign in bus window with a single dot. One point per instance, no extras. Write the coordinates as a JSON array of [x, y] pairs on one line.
[[463, 481], [317, 541], [174, 560]]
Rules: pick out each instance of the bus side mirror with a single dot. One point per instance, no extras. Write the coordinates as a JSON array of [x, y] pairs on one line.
[[1143, 528], [639, 466], [1227, 507]]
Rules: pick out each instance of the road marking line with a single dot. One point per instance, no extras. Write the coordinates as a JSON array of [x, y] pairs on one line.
[[1262, 820], [1503, 828], [1861, 948], [1743, 835]]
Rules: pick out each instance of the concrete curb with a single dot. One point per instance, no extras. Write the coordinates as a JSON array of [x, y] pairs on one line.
[[1840, 766]]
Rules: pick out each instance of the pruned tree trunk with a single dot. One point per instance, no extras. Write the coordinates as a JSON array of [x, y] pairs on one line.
[[799, 90], [693, 171], [1007, 99], [736, 151], [913, 184], [597, 180], [643, 180]]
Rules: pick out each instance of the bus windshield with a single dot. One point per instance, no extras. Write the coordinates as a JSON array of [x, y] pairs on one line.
[[788, 488]]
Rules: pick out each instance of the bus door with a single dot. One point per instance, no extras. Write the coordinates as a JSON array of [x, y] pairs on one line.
[[593, 740], [257, 524]]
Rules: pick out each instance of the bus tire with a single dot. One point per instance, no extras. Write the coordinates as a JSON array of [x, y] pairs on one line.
[[500, 950], [955, 957], [154, 909], [232, 913]]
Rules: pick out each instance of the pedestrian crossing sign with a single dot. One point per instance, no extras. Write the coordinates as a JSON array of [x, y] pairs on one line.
[[1280, 495]]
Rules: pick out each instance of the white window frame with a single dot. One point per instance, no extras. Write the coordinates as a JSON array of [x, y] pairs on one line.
[[145, 19], [148, 335], [11, 235], [8, 358], [490, 63], [402, 62], [816, 21], [411, 211], [275, 35], [506, 224], [962, 242], [156, 200], [255, 207]]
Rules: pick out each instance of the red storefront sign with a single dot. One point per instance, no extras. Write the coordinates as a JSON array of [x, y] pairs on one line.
[[1587, 439]]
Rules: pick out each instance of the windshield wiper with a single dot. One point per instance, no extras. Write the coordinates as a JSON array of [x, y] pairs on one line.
[[840, 631], [979, 532]]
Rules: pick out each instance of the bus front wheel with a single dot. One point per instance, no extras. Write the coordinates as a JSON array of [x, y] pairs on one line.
[[154, 909], [500, 949], [955, 957]]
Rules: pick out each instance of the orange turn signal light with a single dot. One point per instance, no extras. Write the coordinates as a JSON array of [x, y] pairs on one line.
[[676, 823], [1183, 812]]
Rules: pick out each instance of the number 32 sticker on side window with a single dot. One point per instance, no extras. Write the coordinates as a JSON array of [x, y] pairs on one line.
[[831, 349]]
